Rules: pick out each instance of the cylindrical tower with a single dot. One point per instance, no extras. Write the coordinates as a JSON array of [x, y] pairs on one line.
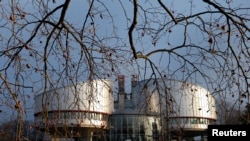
[[188, 109], [74, 110]]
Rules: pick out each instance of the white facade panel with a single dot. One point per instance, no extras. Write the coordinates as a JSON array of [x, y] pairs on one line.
[[85, 104], [186, 105], [96, 96]]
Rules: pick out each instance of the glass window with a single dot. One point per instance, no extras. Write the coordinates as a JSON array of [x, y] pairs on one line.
[[50, 115], [142, 130], [62, 115]]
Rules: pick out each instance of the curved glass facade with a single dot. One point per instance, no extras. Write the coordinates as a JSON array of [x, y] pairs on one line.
[[134, 128], [57, 115], [189, 120]]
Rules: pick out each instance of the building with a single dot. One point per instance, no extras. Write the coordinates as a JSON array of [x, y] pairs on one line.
[[155, 110], [75, 111]]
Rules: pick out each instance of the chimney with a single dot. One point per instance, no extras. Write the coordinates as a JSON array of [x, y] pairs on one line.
[[134, 81], [121, 91], [121, 80]]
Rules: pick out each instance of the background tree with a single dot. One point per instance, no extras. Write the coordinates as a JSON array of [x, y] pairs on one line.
[[246, 115], [49, 44], [229, 113]]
